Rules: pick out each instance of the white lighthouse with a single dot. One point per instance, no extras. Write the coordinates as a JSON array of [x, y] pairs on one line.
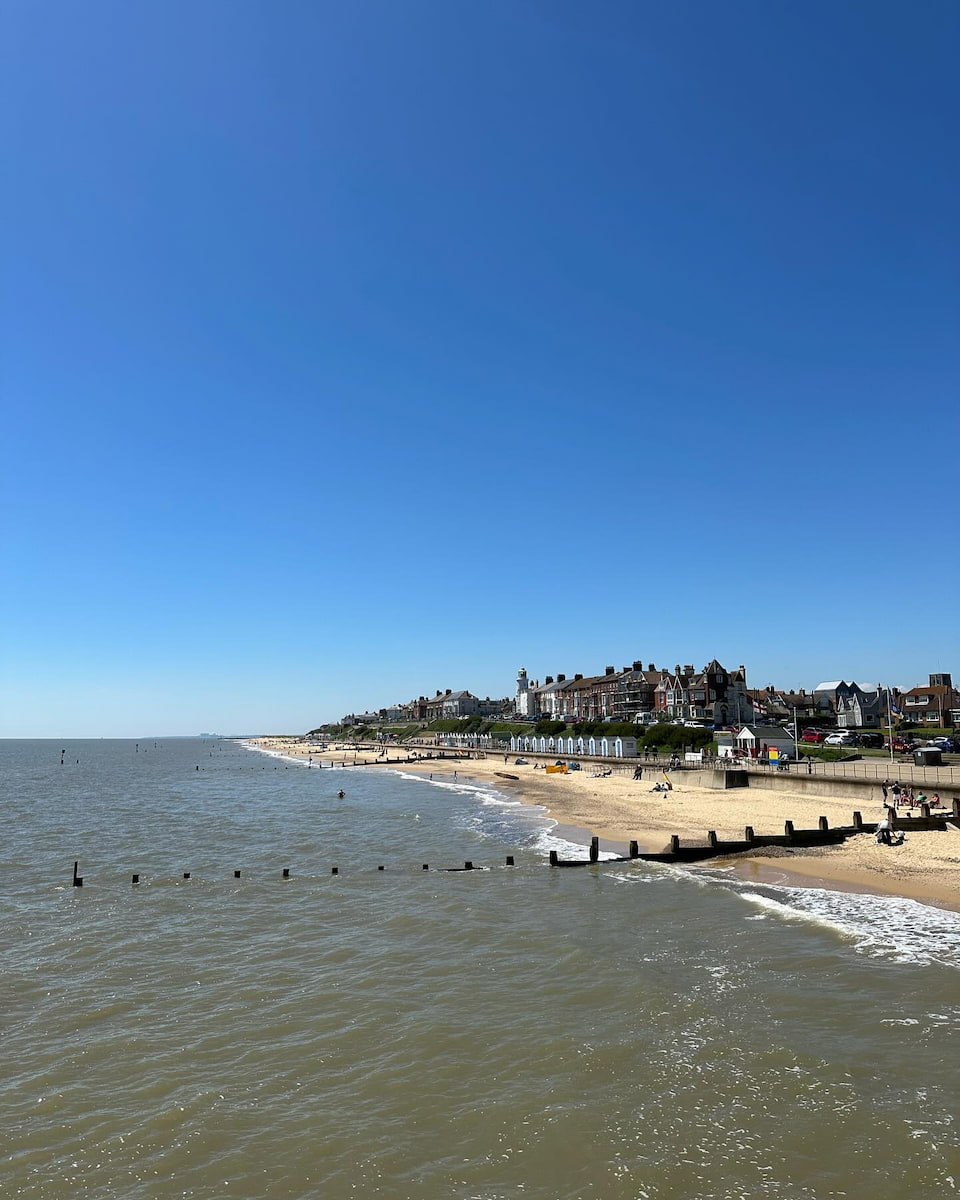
[[524, 696]]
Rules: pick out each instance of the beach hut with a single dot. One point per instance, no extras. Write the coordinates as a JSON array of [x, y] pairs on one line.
[[592, 744]]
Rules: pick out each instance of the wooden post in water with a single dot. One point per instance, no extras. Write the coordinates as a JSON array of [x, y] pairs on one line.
[[425, 867], [380, 868], [334, 870], [554, 858], [634, 849], [674, 844], [186, 874], [77, 879], [510, 861], [712, 837], [824, 824], [135, 879], [594, 849], [286, 872], [857, 821], [236, 874], [468, 866]]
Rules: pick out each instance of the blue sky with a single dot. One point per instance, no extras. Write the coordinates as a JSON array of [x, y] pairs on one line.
[[353, 350]]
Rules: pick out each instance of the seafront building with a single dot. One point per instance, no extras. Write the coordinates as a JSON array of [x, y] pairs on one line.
[[713, 695], [936, 704]]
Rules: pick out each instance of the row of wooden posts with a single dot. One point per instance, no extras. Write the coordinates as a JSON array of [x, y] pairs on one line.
[[467, 866], [714, 847]]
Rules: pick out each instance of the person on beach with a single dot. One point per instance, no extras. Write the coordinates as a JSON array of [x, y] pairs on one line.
[[884, 786], [883, 833], [896, 792]]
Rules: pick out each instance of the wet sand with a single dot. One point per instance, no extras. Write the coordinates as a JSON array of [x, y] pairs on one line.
[[617, 809]]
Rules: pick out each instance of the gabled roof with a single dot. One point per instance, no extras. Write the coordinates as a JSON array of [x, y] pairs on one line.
[[765, 733], [830, 686]]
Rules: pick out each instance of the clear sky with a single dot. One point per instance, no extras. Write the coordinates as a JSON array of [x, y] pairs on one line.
[[353, 349]]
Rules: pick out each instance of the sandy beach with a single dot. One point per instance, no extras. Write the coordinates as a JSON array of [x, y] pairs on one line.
[[926, 867]]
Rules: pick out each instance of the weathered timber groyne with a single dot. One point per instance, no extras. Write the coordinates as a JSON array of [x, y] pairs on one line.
[[688, 850]]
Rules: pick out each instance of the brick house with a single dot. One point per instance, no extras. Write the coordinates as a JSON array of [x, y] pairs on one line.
[[936, 704]]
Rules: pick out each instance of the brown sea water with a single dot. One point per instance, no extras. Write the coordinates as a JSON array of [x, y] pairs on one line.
[[616, 1032]]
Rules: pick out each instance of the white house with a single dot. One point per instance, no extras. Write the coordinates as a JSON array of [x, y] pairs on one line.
[[755, 740]]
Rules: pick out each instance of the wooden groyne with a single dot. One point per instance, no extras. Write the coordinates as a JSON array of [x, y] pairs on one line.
[[793, 838], [682, 851]]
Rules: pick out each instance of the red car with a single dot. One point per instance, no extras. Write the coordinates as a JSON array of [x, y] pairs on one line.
[[813, 735]]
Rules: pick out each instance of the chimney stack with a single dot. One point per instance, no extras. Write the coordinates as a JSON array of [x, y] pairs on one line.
[[561, 678], [548, 679], [609, 670]]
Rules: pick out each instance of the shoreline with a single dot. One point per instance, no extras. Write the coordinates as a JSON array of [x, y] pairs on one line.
[[617, 809]]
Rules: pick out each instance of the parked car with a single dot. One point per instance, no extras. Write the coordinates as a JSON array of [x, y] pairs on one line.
[[813, 735], [903, 745], [869, 738], [843, 737]]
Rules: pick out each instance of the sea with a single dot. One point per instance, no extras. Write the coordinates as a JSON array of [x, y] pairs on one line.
[[619, 1031]]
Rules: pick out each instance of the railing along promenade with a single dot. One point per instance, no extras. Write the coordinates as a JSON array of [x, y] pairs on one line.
[[864, 770]]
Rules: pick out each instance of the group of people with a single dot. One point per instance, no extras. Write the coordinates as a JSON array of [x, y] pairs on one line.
[[894, 795]]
